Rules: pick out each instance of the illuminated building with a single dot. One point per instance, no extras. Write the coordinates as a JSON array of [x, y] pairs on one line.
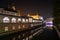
[[7, 16], [8, 11], [6, 20], [11, 19], [34, 16], [19, 14]]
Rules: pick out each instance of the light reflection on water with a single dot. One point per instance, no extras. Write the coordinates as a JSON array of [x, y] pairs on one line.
[[11, 37], [16, 37]]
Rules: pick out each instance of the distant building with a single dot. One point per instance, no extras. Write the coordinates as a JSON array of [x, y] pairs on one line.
[[49, 22], [35, 16], [8, 11], [6, 14]]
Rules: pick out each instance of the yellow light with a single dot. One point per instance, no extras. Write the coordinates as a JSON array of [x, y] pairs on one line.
[[35, 16], [19, 14], [6, 28]]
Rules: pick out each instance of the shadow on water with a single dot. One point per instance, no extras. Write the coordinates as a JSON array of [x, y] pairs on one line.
[[15, 36], [47, 34], [11, 37]]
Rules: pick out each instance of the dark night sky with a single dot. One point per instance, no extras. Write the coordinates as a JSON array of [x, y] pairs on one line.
[[43, 7]]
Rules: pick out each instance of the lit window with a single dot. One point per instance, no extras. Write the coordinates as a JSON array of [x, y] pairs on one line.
[[13, 27], [34, 21], [23, 20], [19, 19], [6, 28], [19, 27], [13, 20], [23, 26], [30, 19], [26, 20], [6, 20]]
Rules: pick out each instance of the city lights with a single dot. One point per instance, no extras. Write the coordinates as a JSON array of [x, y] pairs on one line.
[[6, 20], [19, 19], [13, 20]]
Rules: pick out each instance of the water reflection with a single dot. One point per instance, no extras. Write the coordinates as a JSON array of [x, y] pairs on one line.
[[17, 36]]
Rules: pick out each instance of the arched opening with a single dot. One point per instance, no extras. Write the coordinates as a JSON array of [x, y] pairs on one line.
[[19, 19], [23, 19], [13, 20], [6, 20]]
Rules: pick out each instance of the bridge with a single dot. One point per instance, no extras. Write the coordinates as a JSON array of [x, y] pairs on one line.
[[14, 27]]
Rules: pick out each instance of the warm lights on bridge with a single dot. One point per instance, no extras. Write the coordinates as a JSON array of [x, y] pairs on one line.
[[34, 16]]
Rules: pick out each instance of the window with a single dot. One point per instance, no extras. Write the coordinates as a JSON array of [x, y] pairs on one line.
[[19, 19], [34, 21], [6, 28], [30, 19], [26, 20], [6, 20], [13, 20], [19, 27], [23, 20], [23, 26], [13, 28]]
